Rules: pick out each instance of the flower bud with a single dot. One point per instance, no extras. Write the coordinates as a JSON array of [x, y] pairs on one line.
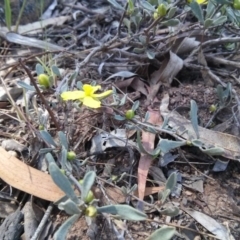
[[212, 108], [162, 10], [129, 114], [91, 211], [71, 155], [236, 4], [43, 80]]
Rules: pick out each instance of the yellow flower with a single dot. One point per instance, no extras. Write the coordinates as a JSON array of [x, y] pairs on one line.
[[199, 1], [88, 96]]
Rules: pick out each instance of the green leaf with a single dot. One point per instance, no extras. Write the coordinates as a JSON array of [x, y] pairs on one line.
[[171, 23], [63, 230], [171, 211], [138, 50], [64, 161], [164, 233], [194, 116], [47, 138], [26, 86], [147, 6], [171, 181], [164, 195], [69, 207], [56, 71], [150, 54], [208, 23], [124, 212], [210, 9], [88, 182], [8, 14], [63, 139], [116, 4], [166, 145], [197, 11], [217, 151], [119, 117], [220, 20], [171, 12], [39, 69], [135, 105], [60, 179]]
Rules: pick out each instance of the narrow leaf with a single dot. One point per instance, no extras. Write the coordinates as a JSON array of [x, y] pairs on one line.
[[124, 212], [69, 207], [197, 11], [171, 181], [166, 145], [47, 138], [194, 117], [123, 74], [60, 179], [165, 233], [88, 182], [63, 139], [63, 230]]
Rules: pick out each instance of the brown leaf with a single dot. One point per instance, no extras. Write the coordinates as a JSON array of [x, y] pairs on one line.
[[30, 180], [145, 162]]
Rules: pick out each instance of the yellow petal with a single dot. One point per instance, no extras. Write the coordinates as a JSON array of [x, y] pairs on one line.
[[92, 103], [103, 95], [89, 90], [72, 95]]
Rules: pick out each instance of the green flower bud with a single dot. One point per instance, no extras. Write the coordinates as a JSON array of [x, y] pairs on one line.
[[41, 127], [236, 4], [162, 10], [43, 80], [212, 108], [71, 155], [91, 211], [129, 114]]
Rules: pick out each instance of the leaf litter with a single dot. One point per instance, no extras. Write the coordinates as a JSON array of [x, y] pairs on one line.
[[172, 73]]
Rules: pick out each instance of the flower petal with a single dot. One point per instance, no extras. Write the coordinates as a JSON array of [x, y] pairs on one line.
[[72, 95], [89, 89], [103, 95], [92, 103]]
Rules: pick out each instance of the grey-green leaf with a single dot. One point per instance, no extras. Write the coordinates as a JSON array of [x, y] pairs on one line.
[[135, 105], [69, 207], [26, 86], [208, 23], [88, 182], [170, 211], [147, 6], [56, 71], [124, 212], [116, 4], [197, 11], [39, 69], [166, 145], [165, 233], [171, 23], [217, 151], [60, 179], [63, 139], [171, 12], [171, 181], [123, 74], [63, 230], [47, 138], [194, 116], [220, 20], [150, 54]]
